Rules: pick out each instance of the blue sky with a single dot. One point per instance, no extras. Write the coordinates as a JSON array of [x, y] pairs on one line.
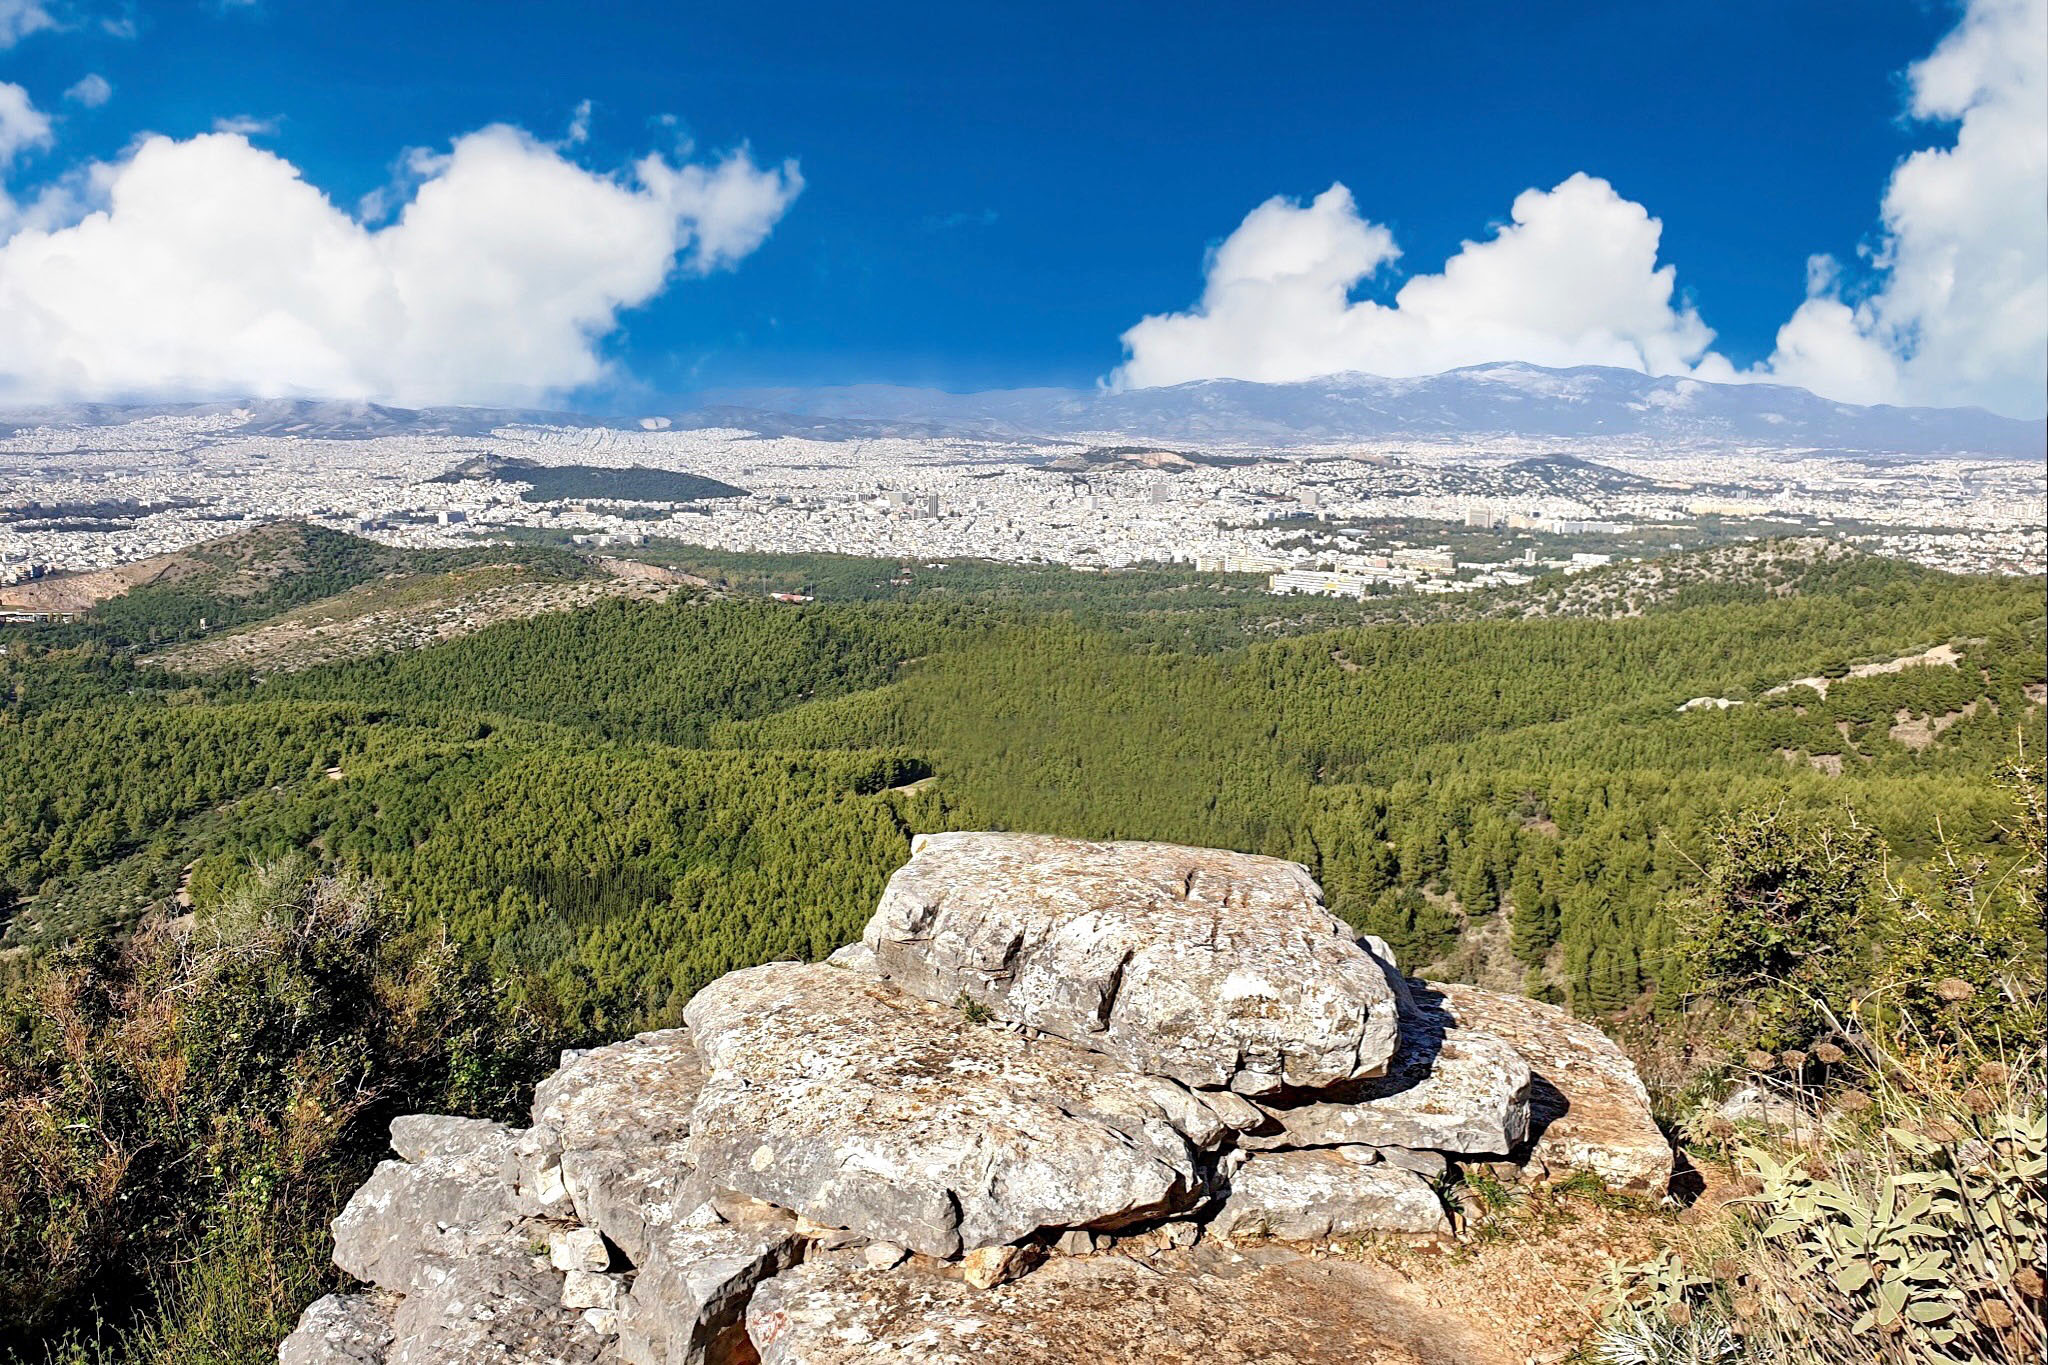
[[991, 195]]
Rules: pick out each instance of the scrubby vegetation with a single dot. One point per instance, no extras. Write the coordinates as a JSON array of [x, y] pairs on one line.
[[1897, 1210], [181, 1111]]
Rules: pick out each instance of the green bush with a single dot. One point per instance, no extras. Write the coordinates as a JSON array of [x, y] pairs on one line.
[[1778, 923]]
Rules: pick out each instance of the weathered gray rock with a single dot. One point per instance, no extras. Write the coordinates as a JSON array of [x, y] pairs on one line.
[[1396, 981], [686, 1303], [1215, 968], [579, 1248], [407, 1211], [496, 1302], [1426, 1164], [1305, 1196], [419, 1137], [1758, 1107], [815, 1124], [613, 1126], [1451, 1088], [855, 957], [340, 1329], [591, 1289], [1589, 1110], [883, 1255], [1201, 1307], [638, 1093], [861, 1107]]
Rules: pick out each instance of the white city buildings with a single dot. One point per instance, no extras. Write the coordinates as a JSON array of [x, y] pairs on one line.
[[79, 497]]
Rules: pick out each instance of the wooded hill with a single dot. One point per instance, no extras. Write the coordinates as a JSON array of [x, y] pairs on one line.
[[617, 804]]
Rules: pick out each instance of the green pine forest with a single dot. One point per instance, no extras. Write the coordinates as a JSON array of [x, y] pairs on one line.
[[613, 806]]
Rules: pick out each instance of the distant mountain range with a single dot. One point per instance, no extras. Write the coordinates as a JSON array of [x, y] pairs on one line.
[[1486, 401], [1483, 401]]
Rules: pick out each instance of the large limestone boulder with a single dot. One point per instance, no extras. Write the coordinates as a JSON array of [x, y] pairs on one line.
[[1453, 1087], [448, 1230], [499, 1301], [1194, 1308], [460, 1189], [1588, 1108], [1310, 1196], [842, 1099], [610, 1135], [1215, 968]]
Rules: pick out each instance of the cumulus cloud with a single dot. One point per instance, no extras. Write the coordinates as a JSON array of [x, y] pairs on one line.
[[1949, 307], [210, 267], [1573, 279], [92, 91], [1952, 304], [22, 125]]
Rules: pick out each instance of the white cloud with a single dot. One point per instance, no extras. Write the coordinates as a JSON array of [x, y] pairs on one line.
[[22, 125], [92, 91], [247, 125], [1953, 307], [1950, 307], [1572, 280], [579, 126], [209, 267], [19, 18]]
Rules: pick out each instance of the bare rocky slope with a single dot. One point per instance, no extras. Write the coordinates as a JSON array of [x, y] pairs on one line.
[[1064, 1102]]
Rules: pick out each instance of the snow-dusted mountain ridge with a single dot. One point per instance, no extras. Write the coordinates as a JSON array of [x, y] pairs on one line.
[[1487, 400]]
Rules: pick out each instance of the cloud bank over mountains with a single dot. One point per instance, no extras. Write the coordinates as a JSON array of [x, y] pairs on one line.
[[492, 272], [1949, 307], [1959, 308], [209, 266]]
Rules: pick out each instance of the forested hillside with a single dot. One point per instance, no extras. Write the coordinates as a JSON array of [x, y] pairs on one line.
[[582, 817], [616, 804]]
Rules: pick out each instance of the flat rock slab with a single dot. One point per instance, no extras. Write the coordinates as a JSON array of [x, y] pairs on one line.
[[1588, 1108], [633, 1094], [1192, 1308], [845, 1100], [1453, 1087], [1312, 1196], [408, 1212], [496, 1303], [1215, 968]]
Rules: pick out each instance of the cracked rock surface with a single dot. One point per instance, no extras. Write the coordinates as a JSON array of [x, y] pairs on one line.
[[1214, 968], [858, 1106], [1204, 1307], [1171, 1071]]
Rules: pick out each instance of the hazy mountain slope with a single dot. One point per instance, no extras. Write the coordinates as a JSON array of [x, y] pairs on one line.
[[1485, 400], [1476, 403]]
